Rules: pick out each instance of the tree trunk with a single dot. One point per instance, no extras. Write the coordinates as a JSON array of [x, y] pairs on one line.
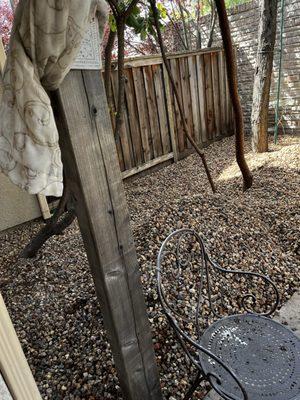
[[234, 94], [121, 76], [263, 72], [212, 25]]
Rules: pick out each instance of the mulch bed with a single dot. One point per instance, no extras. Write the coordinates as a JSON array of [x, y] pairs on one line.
[[52, 299]]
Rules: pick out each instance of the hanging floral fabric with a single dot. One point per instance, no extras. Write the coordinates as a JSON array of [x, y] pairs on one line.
[[45, 40]]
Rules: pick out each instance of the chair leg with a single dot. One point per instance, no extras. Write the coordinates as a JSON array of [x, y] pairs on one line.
[[194, 386]]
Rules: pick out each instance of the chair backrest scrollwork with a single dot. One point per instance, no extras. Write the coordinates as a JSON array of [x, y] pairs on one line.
[[194, 290]]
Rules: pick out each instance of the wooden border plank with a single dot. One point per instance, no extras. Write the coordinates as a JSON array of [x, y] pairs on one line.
[[150, 164], [13, 364]]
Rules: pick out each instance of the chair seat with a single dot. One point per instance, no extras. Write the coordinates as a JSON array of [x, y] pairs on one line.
[[264, 355]]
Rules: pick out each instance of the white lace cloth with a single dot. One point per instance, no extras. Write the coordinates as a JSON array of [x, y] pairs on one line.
[[45, 40]]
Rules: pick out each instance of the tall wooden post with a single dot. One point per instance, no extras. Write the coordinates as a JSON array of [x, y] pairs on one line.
[[91, 165]]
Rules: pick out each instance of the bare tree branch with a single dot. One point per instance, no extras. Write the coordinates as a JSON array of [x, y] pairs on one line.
[[107, 69], [167, 65], [213, 19], [55, 226]]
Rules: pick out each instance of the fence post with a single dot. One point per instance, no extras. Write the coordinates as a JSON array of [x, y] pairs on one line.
[[170, 113], [91, 167]]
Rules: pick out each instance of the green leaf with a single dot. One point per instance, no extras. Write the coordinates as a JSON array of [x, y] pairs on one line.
[[162, 10], [143, 35], [112, 23]]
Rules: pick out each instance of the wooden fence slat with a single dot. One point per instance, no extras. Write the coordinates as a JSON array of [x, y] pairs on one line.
[[124, 140], [161, 106], [186, 98], [118, 140], [152, 110], [201, 95], [176, 77], [90, 160], [222, 91], [209, 97], [141, 102], [133, 118], [227, 104], [152, 125], [143, 61], [216, 93], [194, 97], [170, 113]]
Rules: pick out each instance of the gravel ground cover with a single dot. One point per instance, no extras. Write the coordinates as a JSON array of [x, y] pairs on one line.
[[52, 299]]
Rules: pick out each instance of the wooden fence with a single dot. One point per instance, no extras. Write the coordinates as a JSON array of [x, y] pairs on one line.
[[152, 128]]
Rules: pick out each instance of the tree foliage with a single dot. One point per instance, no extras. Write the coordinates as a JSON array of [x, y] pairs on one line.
[[6, 20]]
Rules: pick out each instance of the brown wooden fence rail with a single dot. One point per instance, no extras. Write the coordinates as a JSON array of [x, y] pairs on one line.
[[152, 129]]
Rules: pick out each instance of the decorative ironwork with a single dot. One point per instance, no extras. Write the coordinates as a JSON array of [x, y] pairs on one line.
[[195, 292]]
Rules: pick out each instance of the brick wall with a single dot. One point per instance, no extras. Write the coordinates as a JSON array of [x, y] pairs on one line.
[[244, 28]]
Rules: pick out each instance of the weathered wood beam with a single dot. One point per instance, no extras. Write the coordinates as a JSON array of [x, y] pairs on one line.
[[147, 165], [91, 165]]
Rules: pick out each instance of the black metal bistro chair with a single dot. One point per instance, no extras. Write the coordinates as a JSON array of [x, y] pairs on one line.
[[244, 355]]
